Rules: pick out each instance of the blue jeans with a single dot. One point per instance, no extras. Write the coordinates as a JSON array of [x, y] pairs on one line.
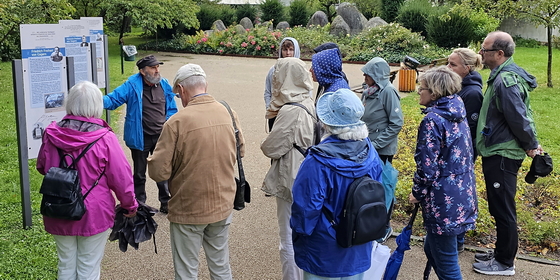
[[441, 251]]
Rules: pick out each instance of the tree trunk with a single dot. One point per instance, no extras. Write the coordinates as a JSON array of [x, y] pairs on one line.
[[549, 68]]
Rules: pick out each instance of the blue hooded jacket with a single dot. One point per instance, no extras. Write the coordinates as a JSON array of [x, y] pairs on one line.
[[323, 179], [444, 181], [130, 92]]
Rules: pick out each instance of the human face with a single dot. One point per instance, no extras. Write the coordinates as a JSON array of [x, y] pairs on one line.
[[425, 95], [151, 74], [287, 51], [313, 74], [489, 55], [368, 80], [456, 64]]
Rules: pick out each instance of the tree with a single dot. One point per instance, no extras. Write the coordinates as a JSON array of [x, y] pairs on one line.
[[299, 13], [272, 10], [390, 9], [149, 15], [540, 12], [326, 6], [16, 12]]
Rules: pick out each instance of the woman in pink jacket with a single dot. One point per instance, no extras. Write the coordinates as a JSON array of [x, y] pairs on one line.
[[80, 244]]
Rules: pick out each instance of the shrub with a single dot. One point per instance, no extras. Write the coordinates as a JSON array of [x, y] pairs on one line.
[[526, 42], [272, 10], [369, 8], [414, 15], [246, 10], [299, 13], [210, 12], [390, 9], [449, 29], [309, 38]]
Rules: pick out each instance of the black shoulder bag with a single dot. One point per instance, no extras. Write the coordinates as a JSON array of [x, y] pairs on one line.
[[243, 192], [62, 194]]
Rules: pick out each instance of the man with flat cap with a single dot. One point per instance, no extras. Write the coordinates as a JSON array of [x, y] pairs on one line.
[[150, 102]]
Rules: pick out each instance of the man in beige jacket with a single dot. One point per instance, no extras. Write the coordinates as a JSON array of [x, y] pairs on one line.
[[196, 152]]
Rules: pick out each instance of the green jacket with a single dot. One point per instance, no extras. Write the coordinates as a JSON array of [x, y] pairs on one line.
[[505, 124]]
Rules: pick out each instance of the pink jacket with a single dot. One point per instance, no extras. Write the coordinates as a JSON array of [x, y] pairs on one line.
[[72, 135]]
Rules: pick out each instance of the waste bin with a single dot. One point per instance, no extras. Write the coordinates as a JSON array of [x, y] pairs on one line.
[[407, 80], [129, 52]]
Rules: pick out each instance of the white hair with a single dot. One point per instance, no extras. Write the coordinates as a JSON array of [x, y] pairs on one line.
[[194, 82], [85, 100], [357, 132]]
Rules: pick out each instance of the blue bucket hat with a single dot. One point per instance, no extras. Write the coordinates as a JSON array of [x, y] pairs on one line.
[[340, 108]]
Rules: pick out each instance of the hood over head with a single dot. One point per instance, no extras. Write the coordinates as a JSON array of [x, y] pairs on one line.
[[449, 107], [349, 158], [378, 69], [327, 66], [291, 82], [296, 47]]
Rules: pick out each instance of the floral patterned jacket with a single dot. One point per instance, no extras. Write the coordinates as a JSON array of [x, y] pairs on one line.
[[444, 180]]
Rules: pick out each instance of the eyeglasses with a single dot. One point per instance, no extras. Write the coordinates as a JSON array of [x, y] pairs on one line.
[[420, 89], [483, 50]]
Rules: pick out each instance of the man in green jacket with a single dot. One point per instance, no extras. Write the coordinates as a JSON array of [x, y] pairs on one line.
[[506, 135]]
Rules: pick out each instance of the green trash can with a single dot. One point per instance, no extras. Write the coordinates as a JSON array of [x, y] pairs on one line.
[[129, 52]]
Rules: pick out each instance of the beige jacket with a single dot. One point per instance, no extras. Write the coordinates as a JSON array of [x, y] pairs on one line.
[[291, 84], [196, 151]]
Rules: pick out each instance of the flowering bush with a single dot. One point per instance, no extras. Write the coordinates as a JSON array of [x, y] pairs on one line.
[[392, 42]]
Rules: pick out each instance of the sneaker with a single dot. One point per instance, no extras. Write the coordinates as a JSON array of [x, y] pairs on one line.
[[461, 248], [483, 257], [493, 267], [164, 208]]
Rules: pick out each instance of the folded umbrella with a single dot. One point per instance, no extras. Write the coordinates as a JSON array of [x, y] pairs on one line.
[[132, 231], [403, 244]]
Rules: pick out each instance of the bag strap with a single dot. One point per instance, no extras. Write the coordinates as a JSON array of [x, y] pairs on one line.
[[237, 144], [94, 184], [298, 147], [74, 160]]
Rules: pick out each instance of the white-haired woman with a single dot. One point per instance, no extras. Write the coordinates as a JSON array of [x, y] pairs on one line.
[[444, 182], [80, 244], [345, 154]]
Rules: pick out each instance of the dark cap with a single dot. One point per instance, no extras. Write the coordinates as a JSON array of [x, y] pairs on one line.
[[540, 167], [149, 60]]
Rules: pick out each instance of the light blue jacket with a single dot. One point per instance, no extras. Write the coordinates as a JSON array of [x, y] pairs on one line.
[[323, 180], [130, 92]]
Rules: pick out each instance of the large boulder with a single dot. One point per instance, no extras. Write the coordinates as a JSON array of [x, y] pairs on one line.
[[339, 27], [318, 18], [283, 25], [352, 16], [246, 23], [239, 29], [375, 22], [219, 25]]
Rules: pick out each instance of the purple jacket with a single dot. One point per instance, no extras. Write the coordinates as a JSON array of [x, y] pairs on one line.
[[72, 135]]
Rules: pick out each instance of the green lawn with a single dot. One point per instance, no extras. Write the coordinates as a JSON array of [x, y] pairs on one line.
[[30, 254]]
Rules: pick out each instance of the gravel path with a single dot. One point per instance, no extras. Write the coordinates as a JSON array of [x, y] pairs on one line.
[[254, 231]]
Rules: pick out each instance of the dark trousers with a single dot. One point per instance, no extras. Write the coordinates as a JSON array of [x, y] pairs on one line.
[[500, 175], [385, 158], [140, 162]]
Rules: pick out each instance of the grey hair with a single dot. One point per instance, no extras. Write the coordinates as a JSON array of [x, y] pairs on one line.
[[357, 132], [193, 82], [504, 42], [470, 58], [85, 100], [441, 81]]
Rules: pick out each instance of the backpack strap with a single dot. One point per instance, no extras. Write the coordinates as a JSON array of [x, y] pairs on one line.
[[296, 146]]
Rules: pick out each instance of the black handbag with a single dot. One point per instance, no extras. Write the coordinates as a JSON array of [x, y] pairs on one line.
[[62, 194], [243, 191]]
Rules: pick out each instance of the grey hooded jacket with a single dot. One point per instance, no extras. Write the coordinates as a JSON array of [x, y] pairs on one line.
[[383, 115], [268, 81]]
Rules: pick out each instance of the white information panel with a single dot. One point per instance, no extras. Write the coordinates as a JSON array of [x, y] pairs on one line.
[[76, 42], [95, 27], [43, 56]]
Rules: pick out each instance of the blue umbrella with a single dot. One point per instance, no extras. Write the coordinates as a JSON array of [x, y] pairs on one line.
[[403, 244]]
